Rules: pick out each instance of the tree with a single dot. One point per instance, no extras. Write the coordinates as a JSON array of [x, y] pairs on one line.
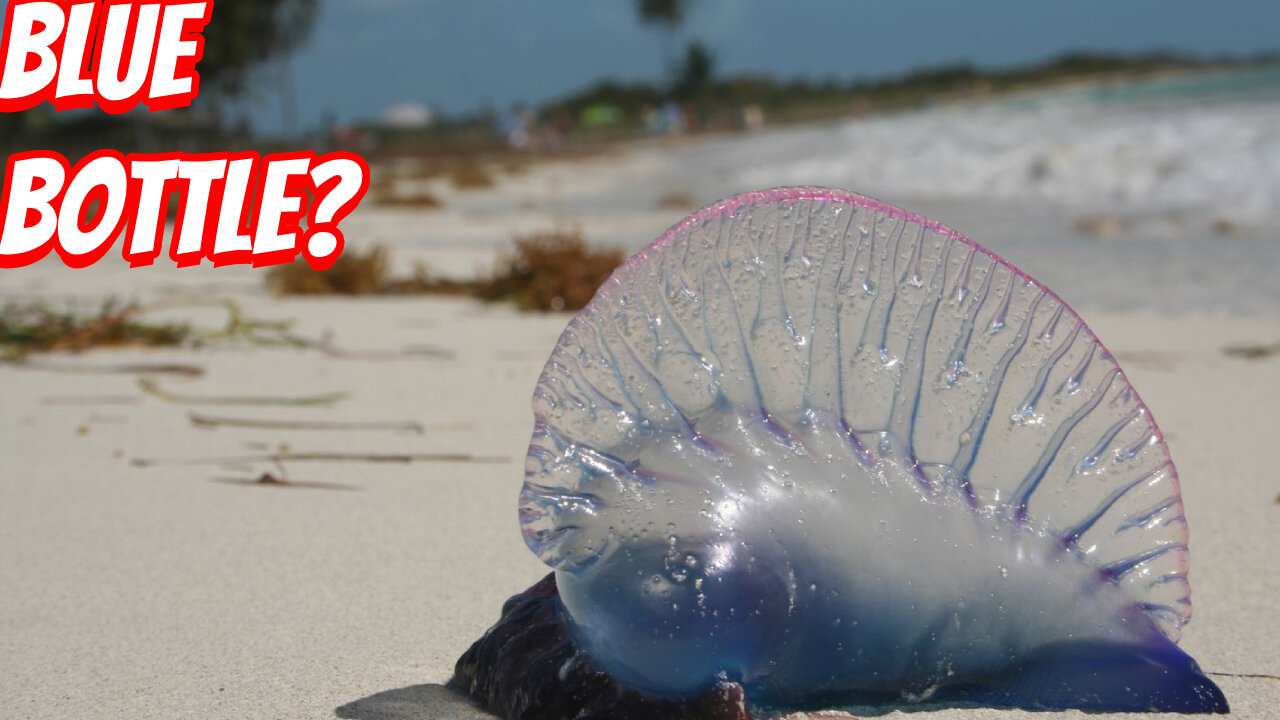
[[670, 14], [695, 73], [664, 12], [245, 33]]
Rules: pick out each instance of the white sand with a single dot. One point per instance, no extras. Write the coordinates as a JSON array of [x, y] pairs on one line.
[[171, 591]]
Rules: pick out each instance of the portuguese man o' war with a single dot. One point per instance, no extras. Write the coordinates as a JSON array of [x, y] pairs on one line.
[[810, 450]]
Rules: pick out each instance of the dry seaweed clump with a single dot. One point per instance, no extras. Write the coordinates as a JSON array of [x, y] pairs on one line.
[[393, 193], [353, 273], [418, 200], [36, 327], [469, 174], [675, 201], [356, 273], [553, 270]]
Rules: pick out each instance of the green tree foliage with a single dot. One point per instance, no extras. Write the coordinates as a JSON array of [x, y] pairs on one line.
[[694, 77], [245, 33], [663, 12]]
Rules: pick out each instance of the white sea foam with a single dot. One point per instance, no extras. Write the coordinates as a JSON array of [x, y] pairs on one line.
[[1220, 158], [1155, 196]]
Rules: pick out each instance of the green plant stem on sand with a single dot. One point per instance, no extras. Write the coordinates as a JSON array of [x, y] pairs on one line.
[[184, 370], [1256, 351], [152, 388], [272, 481], [329, 457], [205, 421]]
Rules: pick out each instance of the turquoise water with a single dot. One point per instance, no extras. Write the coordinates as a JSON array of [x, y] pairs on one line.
[[1251, 84]]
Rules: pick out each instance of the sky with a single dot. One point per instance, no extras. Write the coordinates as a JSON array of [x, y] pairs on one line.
[[456, 55]]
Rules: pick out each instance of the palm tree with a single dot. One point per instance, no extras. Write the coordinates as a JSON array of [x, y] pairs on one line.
[[243, 34], [670, 14], [663, 12], [694, 74]]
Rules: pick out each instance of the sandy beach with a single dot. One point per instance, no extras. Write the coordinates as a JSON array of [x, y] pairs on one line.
[[148, 573]]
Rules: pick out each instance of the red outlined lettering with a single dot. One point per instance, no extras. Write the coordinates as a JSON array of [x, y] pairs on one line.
[[175, 82], [118, 53], [33, 183], [340, 181], [100, 176], [232, 239], [281, 204], [236, 208], [152, 178]]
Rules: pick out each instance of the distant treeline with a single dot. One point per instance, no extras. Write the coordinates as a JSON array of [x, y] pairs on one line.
[[798, 99], [697, 99]]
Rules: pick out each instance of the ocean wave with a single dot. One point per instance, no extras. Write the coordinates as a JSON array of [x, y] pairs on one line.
[[1222, 158]]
